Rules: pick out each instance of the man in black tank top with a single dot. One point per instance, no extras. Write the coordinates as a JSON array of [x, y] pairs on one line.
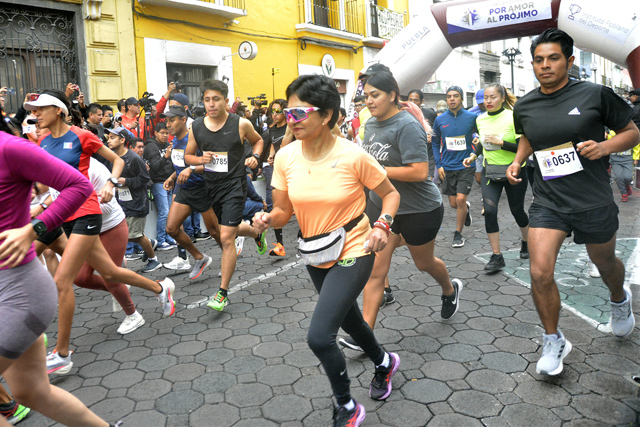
[[219, 137]]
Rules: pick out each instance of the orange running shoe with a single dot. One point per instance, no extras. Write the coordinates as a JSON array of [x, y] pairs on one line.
[[278, 250]]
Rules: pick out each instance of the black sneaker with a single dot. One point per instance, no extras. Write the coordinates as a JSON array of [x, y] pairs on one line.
[[342, 417], [524, 250], [468, 220], [458, 240], [388, 297], [349, 343], [193, 239], [203, 236], [380, 387], [450, 303], [496, 263]]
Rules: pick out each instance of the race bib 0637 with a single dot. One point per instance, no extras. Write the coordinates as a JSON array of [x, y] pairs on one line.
[[558, 161]]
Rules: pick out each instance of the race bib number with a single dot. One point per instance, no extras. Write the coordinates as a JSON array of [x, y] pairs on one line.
[[558, 161], [456, 143], [177, 157], [124, 194], [219, 163]]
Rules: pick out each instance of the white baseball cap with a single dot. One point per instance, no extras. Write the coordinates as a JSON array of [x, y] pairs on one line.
[[45, 100]]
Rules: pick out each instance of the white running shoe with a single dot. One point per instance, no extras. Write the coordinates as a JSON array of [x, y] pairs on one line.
[[115, 305], [57, 364], [554, 350], [131, 323], [178, 263], [166, 297], [622, 318], [239, 244], [593, 270]]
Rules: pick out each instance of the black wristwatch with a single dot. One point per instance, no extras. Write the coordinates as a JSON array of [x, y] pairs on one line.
[[114, 181], [39, 227], [257, 156]]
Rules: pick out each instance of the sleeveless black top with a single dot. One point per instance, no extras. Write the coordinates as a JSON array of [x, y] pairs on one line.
[[226, 139]]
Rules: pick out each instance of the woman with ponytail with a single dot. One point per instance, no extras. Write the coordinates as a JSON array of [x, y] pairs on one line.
[[499, 143]]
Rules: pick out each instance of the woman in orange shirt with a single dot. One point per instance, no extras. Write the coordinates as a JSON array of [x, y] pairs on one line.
[[323, 177]]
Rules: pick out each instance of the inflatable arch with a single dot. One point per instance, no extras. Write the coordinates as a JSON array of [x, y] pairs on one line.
[[609, 29]]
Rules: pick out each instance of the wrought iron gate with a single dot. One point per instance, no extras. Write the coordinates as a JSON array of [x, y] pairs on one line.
[[37, 51]]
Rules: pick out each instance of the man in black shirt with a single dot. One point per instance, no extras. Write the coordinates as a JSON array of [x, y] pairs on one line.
[[634, 97], [216, 142], [273, 138], [563, 123]]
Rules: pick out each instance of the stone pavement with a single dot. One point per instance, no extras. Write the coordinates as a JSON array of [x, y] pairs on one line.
[[251, 366]]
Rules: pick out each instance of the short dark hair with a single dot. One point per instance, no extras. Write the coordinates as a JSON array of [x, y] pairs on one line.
[[384, 81], [134, 141], [554, 35], [359, 98], [160, 126], [343, 112], [120, 104], [93, 108], [217, 85], [319, 91], [107, 108], [419, 92], [281, 102]]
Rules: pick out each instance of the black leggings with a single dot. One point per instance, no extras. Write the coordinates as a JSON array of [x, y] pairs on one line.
[[338, 288], [491, 192]]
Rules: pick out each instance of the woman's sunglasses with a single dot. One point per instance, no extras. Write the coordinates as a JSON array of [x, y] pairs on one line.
[[299, 114], [276, 110]]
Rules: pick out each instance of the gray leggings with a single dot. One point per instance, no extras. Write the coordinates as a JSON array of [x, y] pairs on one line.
[[622, 169], [28, 303]]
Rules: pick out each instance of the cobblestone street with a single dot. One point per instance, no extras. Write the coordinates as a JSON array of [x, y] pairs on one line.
[[250, 365]]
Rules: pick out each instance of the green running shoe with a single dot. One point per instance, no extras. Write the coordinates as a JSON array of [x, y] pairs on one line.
[[219, 301], [261, 243], [18, 414], [46, 340]]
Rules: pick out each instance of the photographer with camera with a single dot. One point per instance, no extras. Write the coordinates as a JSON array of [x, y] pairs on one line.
[[107, 116], [256, 115], [129, 120]]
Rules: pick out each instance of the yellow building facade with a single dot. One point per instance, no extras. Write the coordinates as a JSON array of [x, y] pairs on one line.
[[190, 40], [120, 48]]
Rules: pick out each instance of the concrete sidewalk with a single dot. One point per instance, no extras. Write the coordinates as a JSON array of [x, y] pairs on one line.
[[250, 365]]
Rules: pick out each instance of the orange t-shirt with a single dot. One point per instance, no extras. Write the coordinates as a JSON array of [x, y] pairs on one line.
[[329, 193]]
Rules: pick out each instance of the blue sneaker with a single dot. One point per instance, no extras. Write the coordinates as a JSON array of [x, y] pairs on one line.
[[164, 246]]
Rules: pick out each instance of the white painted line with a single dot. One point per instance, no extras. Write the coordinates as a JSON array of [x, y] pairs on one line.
[[633, 267], [247, 283], [599, 326]]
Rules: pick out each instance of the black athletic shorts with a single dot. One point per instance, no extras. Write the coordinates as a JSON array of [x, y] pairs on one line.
[[458, 182], [596, 226], [197, 198], [417, 228], [51, 236], [88, 225], [227, 199]]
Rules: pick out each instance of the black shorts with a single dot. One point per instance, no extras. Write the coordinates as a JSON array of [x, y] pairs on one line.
[[416, 228], [88, 225], [596, 226], [197, 198], [458, 182], [51, 236], [227, 199]]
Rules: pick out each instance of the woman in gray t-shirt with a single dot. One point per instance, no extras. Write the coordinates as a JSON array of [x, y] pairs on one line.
[[396, 139]]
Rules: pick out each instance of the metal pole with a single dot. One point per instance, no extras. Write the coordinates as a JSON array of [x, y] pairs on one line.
[[513, 85]]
